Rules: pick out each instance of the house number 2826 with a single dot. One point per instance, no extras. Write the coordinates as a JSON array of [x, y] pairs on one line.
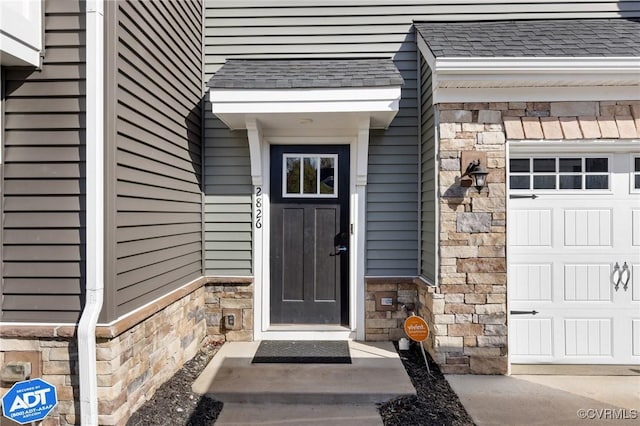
[[258, 207]]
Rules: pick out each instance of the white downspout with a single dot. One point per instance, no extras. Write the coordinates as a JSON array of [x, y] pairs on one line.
[[94, 212]]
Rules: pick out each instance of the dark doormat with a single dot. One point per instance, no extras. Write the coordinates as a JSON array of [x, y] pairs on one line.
[[302, 352]]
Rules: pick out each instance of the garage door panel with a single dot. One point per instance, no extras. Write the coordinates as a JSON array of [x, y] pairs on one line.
[[532, 282], [588, 336], [587, 283], [563, 248], [635, 226], [532, 336], [634, 283], [531, 228], [587, 228], [636, 337]]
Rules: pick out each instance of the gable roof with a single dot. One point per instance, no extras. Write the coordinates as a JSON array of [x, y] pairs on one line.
[[533, 38], [306, 73]]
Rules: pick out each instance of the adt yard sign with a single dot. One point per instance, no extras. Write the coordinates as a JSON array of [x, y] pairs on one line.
[[29, 401]]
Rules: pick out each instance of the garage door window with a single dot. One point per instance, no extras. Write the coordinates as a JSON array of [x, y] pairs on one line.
[[636, 174], [560, 173]]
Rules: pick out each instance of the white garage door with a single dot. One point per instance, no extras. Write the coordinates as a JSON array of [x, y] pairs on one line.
[[574, 258]]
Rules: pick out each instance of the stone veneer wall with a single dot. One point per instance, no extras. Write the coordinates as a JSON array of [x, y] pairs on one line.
[[385, 323], [467, 312], [224, 298], [136, 356], [468, 316]]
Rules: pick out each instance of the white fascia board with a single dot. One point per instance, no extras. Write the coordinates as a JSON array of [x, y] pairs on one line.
[[305, 107], [303, 95], [14, 53], [21, 32], [231, 105], [515, 65]]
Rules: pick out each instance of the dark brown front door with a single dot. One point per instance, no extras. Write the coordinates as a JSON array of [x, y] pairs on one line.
[[309, 234]]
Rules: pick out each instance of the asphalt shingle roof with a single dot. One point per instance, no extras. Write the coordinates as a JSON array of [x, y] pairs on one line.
[[305, 73], [559, 37]]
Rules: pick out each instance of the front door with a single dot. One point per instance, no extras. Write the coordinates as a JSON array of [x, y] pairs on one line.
[[309, 234]]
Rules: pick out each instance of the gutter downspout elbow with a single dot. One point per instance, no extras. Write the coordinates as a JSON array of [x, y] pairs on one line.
[[94, 212]]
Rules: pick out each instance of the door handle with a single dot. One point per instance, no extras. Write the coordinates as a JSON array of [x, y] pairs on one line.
[[616, 272], [534, 312], [339, 251], [625, 270]]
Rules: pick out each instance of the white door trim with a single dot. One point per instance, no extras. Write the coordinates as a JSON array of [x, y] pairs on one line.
[[259, 145]]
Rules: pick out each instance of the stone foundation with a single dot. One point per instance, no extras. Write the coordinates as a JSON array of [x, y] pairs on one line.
[[385, 322], [229, 297], [134, 364], [134, 357]]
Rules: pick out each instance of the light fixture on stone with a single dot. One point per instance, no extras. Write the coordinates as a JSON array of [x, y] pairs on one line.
[[475, 170]]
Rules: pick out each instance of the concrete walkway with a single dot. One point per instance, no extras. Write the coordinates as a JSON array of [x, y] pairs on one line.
[[549, 400], [310, 394], [341, 394]]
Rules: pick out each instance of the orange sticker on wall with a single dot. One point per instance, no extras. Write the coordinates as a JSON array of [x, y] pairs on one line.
[[416, 328]]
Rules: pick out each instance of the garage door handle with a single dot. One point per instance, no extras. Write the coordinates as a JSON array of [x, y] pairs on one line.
[[532, 196], [534, 312], [627, 271], [616, 273]]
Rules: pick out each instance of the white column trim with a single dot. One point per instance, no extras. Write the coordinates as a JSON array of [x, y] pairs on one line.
[[359, 225], [258, 209], [254, 133], [362, 153]]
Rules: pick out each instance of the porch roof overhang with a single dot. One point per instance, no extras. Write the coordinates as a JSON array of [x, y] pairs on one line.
[[318, 98], [311, 95], [547, 60]]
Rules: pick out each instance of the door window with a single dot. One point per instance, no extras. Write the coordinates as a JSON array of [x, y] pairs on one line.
[[310, 175]]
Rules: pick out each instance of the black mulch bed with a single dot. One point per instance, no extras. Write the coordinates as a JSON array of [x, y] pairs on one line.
[[435, 403], [174, 404]]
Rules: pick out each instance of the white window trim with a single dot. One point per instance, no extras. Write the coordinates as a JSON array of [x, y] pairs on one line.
[[557, 174], [301, 194]]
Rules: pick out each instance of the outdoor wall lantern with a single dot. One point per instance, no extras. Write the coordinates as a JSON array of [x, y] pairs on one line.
[[478, 173], [475, 169]]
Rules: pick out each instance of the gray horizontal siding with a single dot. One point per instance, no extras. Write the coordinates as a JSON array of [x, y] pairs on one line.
[[43, 231], [155, 180], [342, 28], [428, 196]]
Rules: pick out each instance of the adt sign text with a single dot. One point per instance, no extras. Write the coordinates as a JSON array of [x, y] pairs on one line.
[[29, 401]]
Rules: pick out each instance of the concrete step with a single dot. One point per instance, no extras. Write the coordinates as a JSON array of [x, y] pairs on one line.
[[376, 374], [303, 414]]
